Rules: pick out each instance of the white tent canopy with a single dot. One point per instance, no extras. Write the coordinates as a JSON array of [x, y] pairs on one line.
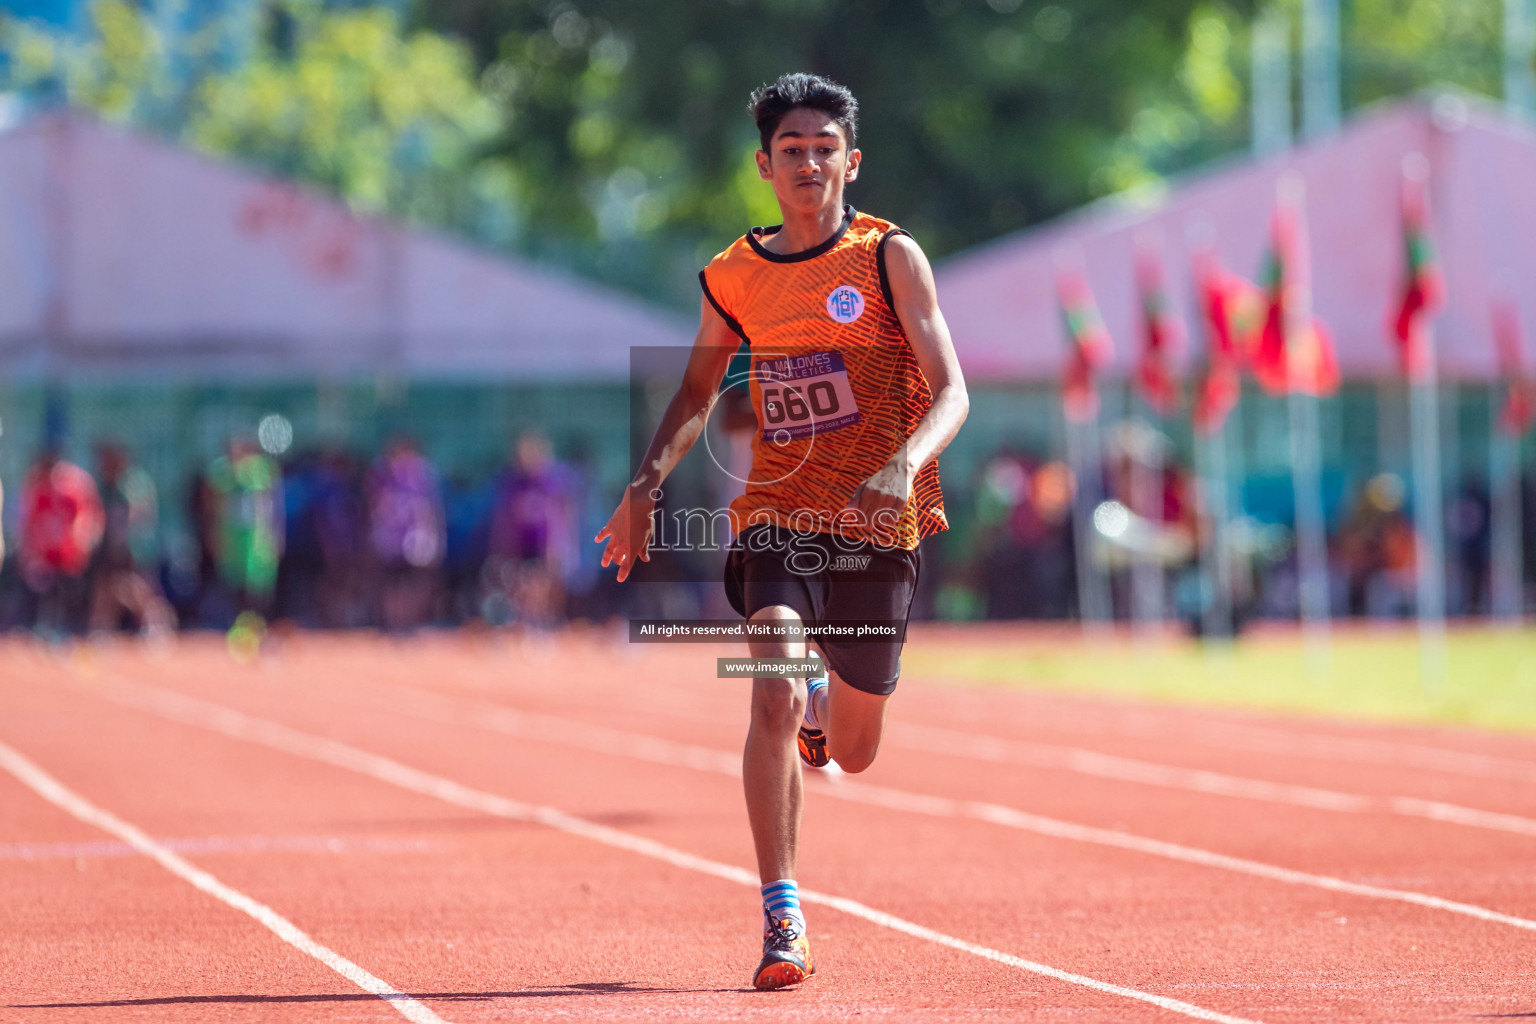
[[1001, 303], [123, 255]]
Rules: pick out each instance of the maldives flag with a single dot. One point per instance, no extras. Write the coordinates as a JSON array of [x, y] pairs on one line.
[[1090, 346], [1230, 309], [1161, 334], [1423, 287], [1301, 358], [1519, 412]]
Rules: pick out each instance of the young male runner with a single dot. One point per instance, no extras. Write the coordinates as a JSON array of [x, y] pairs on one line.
[[857, 390]]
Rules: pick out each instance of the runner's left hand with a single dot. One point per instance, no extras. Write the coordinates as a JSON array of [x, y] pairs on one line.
[[881, 499]]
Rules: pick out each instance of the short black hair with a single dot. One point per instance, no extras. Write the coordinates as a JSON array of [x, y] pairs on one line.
[[772, 101]]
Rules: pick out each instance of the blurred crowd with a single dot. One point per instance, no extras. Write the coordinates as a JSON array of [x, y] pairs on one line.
[[322, 539], [1019, 559], [326, 539]]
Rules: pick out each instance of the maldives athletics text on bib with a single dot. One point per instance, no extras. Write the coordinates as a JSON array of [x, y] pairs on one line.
[[803, 396]]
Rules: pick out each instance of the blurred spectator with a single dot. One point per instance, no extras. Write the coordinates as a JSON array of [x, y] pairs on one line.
[[245, 502], [61, 523], [338, 518], [467, 520], [1024, 554], [122, 580], [1375, 547], [193, 598], [532, 532], [407, 533], [300, 569], [1469, 536]]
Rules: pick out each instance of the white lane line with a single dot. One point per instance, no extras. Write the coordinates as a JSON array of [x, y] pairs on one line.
[[953, 743], [218, 844], [566, 732], [50, 789], [236, 724], [453, 710], [1369, 751], [1267, 739], [1013, 818]]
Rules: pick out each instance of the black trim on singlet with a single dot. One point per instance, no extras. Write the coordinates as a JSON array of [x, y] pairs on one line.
[[885, 278], [730, 321], [805, 254]]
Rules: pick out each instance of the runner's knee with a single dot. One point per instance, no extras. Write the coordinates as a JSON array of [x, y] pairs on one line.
[[855, 756], [776, 646], [778, 704]]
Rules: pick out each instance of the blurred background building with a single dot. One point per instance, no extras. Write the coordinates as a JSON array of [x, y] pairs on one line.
[[312, 233]]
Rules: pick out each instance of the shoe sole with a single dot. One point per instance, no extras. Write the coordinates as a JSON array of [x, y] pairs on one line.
[[782, 974]]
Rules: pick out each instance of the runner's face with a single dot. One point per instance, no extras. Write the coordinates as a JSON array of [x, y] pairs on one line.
[[809, 162]]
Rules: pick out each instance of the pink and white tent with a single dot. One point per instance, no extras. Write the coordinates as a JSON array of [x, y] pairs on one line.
[[1000, 298], [124, 255]]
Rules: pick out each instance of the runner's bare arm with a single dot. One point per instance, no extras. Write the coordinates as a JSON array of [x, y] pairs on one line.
[[629, 528], [917, 307]]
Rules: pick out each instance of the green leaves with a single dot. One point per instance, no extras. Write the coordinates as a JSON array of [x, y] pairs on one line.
[[612, 135], [346, 100]]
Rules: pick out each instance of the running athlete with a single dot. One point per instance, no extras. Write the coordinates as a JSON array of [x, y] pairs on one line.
[[856, 388]]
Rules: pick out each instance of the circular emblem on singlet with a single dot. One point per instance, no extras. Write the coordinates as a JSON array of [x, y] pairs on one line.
[[845, 304]]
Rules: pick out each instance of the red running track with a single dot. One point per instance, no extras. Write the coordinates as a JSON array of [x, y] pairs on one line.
[[392, 804]]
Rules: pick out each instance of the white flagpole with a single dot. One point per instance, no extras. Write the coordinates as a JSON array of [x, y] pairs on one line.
[[1429, 538], [1428, 499], [1147, 497], [1093, 602], [1506, 560], [1311, 527], [1211, 469], [1320, 92], [1306, 462], [1519, 54], [1234, 459], [1216, 609]]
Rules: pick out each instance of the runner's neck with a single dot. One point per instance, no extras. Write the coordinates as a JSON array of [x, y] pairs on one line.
[[805, 231]]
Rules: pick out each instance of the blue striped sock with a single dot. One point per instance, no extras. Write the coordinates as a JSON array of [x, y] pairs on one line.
[[815, 696], [781, 899]]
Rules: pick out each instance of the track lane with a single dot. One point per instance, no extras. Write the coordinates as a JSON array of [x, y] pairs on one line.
[[1382, 760], [46, 786], [86, 937], [1379, 760], [1375, 850], [1342, 850], [1235, 903], [663, 966]]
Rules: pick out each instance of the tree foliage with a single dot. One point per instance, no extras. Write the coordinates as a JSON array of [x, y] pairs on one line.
[[628, 121], [343, 99], [612, 136]]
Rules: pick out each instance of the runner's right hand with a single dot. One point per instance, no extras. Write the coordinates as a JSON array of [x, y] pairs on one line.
[[629, 531]]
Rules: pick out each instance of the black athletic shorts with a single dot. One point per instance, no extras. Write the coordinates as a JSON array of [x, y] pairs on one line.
[[828, 579]]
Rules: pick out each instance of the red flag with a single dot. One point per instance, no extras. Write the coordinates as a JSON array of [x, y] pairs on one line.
[[1234, 310], [1423, 287], [1292, 357], [1091, 347], [1519, 412], [1223, 297], [1162, 333]]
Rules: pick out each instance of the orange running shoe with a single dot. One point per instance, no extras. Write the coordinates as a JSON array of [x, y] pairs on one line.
[[786, 956], [813, 747], [812, 741]]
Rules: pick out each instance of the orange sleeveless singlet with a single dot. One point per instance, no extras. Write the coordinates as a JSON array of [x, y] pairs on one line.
[[834, 383]]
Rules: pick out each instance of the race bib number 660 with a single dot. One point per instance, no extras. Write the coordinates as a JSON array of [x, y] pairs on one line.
[[804, 395]]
